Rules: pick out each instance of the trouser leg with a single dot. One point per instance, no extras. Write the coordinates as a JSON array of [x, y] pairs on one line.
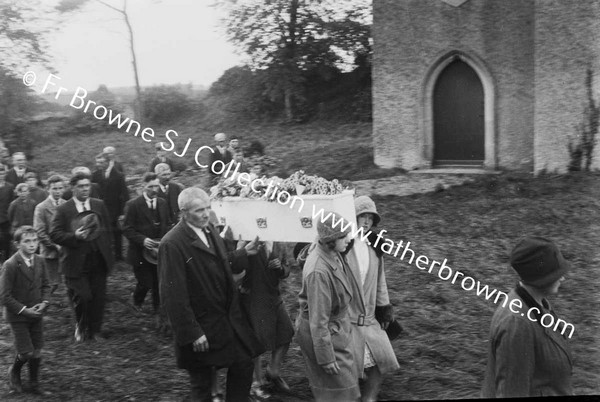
[[139, 294], [53, 273], [96, 307], [200, 383], [239, 381], [145, 281], [34, 369], [155, 290], [117, 238], [79, 294]]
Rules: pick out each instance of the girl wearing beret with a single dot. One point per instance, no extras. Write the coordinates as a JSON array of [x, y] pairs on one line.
[[325, 334], [370, 309], [525, 358]]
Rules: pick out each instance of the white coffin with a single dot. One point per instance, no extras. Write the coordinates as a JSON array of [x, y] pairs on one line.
[[270, 220]]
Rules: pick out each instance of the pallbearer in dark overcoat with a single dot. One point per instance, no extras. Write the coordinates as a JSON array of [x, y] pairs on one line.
[[201, 302]]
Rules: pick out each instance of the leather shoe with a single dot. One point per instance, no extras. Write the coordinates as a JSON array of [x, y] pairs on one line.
[[278, 382]]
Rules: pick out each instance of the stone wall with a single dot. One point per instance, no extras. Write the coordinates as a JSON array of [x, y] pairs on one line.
[[410, 37], [567, 42]]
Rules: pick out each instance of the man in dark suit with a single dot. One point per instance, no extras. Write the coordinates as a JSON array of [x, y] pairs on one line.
[[87, 257], [16, 174], [95, 189], [221, 153], [109, 152], [114, 193], [201, 301], [146, 222], [168, 190], [161, 158]]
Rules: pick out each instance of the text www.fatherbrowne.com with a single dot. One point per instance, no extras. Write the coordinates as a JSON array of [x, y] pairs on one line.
[[444, 272]]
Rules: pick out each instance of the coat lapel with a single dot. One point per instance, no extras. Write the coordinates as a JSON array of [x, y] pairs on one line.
[[196, 241], [27, 271]]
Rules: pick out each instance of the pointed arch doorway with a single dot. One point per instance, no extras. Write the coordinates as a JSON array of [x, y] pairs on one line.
[[459, 113], [458, 122]]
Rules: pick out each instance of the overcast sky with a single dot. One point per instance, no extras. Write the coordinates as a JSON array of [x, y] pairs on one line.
[[175, 41]]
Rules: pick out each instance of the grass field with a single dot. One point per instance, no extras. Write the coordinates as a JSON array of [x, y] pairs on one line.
[[328, 150], [443, 351]]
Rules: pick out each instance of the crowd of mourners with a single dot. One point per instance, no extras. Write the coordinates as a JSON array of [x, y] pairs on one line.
[[221, 297]]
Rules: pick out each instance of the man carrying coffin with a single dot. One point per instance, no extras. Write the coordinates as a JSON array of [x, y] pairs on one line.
[[146, 222], [199, 297]]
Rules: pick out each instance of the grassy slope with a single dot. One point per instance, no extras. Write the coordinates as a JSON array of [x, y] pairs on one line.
[[443, 354], [332, 151]]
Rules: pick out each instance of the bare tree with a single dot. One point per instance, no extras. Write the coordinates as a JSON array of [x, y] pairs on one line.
[[70, 5]]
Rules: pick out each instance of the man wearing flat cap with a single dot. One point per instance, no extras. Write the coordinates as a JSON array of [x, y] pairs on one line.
[[198, 295], [82, 227], [529, 355]]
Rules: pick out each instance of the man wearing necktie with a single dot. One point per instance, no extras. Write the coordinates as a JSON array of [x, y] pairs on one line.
[[146, 220], [42, 219], [87, 259], [200, 299], [169, 190]]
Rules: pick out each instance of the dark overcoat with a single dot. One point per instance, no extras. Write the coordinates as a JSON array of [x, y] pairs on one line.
[[199, 297], [139, 224], [171, 195], [113, 191], [524, 358], [74, 249], [21, 286], [14, 179]]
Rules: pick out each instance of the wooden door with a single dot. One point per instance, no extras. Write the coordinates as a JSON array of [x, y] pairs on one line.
[[458, 117]]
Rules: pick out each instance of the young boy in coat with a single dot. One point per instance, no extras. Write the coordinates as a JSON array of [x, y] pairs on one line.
[[24, 288]]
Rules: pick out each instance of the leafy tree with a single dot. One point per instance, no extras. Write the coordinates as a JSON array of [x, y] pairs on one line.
[[289, 37], [23, 26], [242, 93], [166, 103], [23, 29]]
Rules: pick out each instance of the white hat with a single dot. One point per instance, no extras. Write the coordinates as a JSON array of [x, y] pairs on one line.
[[220, 137]]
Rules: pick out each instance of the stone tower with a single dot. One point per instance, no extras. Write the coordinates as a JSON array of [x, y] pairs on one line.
[[482, 83]]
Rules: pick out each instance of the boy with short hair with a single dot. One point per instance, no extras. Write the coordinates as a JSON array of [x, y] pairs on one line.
[[20, 211], [24, 289]]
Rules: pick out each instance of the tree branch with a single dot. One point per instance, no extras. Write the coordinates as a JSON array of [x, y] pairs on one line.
[[113, 7]]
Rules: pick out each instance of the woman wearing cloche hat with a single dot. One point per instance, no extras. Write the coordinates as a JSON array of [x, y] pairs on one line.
[[325, 334], [370, 310], [528, 354]]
